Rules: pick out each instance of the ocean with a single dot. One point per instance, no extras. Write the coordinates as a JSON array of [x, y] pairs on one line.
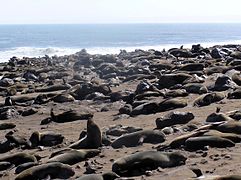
[[40, 40]]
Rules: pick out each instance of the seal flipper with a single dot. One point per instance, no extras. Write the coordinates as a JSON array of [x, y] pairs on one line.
[[141, 140]]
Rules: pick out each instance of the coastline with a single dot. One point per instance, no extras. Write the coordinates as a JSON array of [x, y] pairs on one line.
[[31, 52]]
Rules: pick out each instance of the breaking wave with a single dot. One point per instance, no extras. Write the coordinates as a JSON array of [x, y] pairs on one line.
[[51, 51]]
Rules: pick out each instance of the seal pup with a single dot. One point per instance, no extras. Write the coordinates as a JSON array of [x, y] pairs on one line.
[[147, 160], [92, 140], [47, 138], [138, 138], [71, 156], [53, 170]]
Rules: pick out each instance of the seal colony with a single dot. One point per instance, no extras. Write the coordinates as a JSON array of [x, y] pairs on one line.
[[140, 115]]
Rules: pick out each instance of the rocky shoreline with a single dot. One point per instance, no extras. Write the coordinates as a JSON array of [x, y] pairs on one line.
[[171, 114]]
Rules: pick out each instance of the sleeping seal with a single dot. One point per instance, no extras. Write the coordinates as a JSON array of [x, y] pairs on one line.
[[139, 137], [52, 170], [70, 156], [147, 160]]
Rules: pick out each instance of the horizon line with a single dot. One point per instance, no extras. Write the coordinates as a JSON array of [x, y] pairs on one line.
[[121, 23]]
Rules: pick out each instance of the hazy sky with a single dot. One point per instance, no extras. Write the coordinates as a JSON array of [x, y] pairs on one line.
[[118, 11]]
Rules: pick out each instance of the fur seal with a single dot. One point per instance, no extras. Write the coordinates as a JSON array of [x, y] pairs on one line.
[[5, 165], [25, 166], [230, 127], [236, 114], [92, 140], [237, 78], [218, 117], [169, 80], [146, 108], [104, 176], [28, 111], [173, 103], [45, 139], [192, 67], [17, 140], [18, 158], [223, 83], [236, 94], [4, 126], [147, 160], [174, 118], [139, 137], [61, 98], [231, 136], [19, 100], [180, 140], [56, 87], [155, 107], [209, 98], [70, 116], [52, 170], [6, 146], [176, 93], [71, 157], [195, 143], [195, 88]]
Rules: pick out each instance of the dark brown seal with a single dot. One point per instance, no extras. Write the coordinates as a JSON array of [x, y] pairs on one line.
[[147, 160], [52, 170], [92, 140]]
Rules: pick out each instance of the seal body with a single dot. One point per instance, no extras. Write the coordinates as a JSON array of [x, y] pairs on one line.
[[147, 160], [54, 170], [139, 137], [195, 143], [73, 156], [18, 158]]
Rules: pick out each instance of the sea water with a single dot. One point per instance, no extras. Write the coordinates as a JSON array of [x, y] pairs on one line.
[[40, 40]]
